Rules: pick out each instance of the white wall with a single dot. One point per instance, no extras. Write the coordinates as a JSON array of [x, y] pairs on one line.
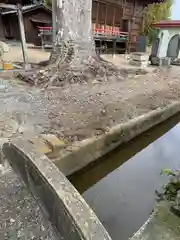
[[164, 41]]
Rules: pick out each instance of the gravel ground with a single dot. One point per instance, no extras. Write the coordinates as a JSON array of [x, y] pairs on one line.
[[75, 112], [82, 111], [20, 216]]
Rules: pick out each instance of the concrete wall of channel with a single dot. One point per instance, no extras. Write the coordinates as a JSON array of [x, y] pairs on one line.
[[80, 154], [162, 224], [62, 204]]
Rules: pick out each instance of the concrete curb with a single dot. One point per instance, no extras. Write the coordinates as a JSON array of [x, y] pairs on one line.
[[80, 154], [62, 204]]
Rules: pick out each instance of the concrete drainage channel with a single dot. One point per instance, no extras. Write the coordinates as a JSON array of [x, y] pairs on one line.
[[62, 204], [79, 155], [68, 212]]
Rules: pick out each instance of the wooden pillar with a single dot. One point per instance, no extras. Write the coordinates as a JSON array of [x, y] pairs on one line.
[[129, 35], [130, 25], [97, 15], [23, 37], [54, 24], [114, 41]]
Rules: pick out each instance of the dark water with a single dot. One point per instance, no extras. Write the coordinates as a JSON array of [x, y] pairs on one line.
[[120, 188]]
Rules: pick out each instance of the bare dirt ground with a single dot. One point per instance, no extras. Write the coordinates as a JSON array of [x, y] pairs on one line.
[[86, 110], [34, 55], [77, 111]]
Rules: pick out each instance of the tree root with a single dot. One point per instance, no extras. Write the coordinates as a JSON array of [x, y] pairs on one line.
[[61, 74], [66, 69]]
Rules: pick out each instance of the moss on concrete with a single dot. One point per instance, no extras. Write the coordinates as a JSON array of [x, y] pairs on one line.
[[162, 225]]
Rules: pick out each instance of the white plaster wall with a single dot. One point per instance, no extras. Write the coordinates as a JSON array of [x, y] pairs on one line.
[[164, 40]]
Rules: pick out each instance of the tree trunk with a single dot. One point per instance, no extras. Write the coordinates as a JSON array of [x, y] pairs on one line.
[[74, 36], [74, 59]]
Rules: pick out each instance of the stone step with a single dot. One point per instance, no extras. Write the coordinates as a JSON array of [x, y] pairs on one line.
[[139, 57], [139, 63]]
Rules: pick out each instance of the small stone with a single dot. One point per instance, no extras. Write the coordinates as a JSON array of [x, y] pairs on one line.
[[103, 111], [95, 82], [12, 220], [22, 129]]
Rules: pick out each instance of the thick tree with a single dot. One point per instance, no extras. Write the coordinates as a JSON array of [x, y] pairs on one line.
[[74, 58], [75, 29]]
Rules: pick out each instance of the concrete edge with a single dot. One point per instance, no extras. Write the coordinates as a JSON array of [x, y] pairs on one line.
[[59, 200], [80, 154], [162, 224], [137, 234]]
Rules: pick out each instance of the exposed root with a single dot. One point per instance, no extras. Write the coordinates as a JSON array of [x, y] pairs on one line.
[[64, 69]]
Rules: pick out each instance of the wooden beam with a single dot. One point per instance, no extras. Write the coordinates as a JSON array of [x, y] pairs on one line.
[[9, 6]]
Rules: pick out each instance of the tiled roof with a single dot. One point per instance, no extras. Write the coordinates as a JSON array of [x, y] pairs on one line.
[[25, 9]]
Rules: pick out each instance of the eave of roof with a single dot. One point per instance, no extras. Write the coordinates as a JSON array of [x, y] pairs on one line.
[[152, 1], [28, 8], [167, 24]]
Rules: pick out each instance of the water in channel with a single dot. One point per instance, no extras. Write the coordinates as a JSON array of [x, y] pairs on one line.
[[121, 186]]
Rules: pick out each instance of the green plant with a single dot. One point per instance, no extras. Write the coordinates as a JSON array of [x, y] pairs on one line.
[[153, 13], [170, 190], [48, 3]]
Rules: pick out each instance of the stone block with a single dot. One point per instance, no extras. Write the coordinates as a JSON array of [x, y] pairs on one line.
[[165, 61], [4, 48], [138, 63], [139, 57], [53, 142], [40, 145]]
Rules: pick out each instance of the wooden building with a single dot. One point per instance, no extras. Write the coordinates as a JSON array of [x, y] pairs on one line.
[[110, 18], [22, 2], [120, 16], [34, 15]]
